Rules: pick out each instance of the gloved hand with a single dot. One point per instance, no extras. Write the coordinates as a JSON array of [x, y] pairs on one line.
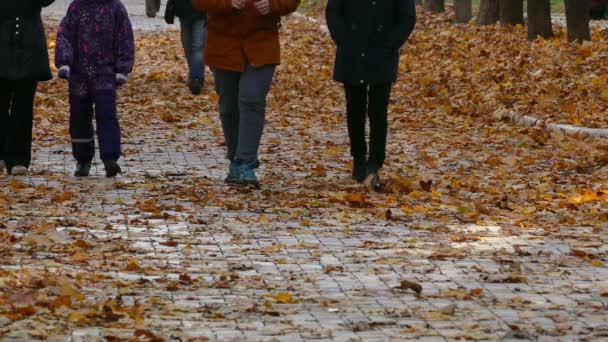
[[121, 80], [64, 72]]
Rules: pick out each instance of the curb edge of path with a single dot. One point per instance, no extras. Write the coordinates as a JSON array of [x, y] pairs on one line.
[[530, 121]]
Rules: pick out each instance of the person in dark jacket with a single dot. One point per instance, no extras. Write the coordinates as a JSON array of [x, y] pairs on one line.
[[193, 24], [368, 35], [95, 52], [24, 62]]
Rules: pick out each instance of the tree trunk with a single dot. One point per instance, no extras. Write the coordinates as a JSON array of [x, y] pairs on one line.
[[539, 19], [512, 12], [435, 6], [463, 11], [489, 12], [577, 20]]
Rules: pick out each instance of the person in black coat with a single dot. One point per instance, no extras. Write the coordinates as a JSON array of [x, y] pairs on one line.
[[193, 25], [368, 35], [24, 61]]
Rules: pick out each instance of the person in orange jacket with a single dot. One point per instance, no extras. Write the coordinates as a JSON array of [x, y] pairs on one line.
[[243, 51]]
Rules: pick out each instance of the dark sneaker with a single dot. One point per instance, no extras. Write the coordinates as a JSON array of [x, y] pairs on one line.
[[233, 174], [196, 86], [247, 176], [374, 182], [82, 170], [359, 171], [112, 168]]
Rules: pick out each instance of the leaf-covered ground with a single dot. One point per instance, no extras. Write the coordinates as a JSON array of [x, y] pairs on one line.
[[485, 230]]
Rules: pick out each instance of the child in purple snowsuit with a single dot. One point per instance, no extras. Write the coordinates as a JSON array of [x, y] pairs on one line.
[[95, 51]]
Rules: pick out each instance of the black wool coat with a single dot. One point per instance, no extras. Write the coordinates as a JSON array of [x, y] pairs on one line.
[[23, 50], [368, 35], [184, 10]]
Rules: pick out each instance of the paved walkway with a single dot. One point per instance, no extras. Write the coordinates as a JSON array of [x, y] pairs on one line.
[[137, 12], [168, 251], [240, 270]]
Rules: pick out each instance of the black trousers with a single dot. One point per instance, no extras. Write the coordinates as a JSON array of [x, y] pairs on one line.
[[16, 119], [363, 101]]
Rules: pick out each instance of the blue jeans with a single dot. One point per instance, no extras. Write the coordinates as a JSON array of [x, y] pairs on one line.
[[194, 35]]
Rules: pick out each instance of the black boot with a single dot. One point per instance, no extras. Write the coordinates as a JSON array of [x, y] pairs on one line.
[[375, 182], [112, 168], [359, 170], [82, 170], [195, 86], [374, 178]]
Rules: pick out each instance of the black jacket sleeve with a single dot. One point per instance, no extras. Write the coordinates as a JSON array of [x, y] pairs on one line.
[[45, 3], [170, 12], [406, 20], [334, 13]]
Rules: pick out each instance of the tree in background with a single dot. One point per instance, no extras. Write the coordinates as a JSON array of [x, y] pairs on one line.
[[463, 11], [489, 12], [539, 19], [435, 6], [577, 20], [512, 12]]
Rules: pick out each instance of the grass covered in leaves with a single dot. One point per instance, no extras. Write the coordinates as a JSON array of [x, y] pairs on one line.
[[476, 70]]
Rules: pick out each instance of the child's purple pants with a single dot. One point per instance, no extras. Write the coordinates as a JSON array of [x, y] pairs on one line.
[[96, 98]]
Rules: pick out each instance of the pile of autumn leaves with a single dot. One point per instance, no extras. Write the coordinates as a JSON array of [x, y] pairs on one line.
[[462, 69], [476, 70]]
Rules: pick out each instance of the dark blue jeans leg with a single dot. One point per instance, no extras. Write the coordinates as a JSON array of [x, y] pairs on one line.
[[81, 128], [194, 35], [186, 36], [108, 128]]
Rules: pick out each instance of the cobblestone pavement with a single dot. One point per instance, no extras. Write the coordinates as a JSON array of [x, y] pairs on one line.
[[137, 12], [339, 278], [209, 268]]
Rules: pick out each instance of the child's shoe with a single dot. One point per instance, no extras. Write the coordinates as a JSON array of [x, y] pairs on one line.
[[112, 168], [247, 176], [82, 170], [233, 174], [19, 170]]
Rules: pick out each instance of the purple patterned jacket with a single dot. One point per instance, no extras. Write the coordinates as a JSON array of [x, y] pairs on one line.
[[96, 39]]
